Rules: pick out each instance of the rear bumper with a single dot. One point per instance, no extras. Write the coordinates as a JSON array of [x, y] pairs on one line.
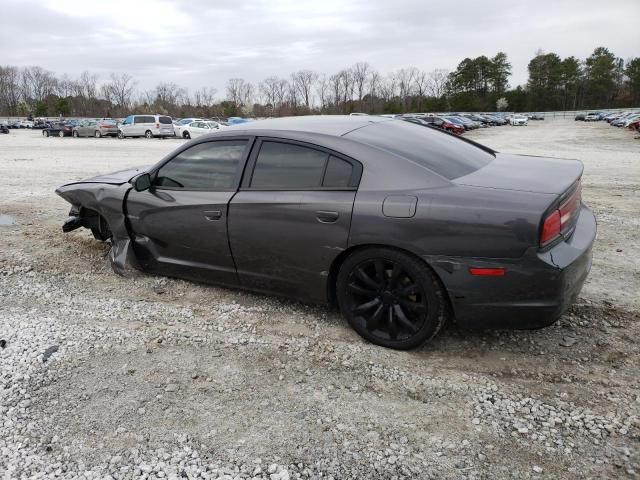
[[535, 290]]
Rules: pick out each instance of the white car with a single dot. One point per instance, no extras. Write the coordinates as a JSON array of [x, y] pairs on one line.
[[591, 117], [197, 128], [26, 124], [518, 120], [185, 121]]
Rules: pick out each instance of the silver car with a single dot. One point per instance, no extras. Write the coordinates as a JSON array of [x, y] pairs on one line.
[[96, 128], [149, 126]]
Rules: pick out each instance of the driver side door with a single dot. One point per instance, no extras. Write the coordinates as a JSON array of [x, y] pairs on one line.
[[179, 225]]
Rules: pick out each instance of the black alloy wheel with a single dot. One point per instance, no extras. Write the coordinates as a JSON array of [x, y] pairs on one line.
[[148, 134], [391, 298]]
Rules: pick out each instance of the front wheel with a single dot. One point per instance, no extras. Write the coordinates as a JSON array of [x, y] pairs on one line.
[[97, 134], [391, 298], [120, 134], [45, 133], [186, 135], [148, 134], [61, 134]]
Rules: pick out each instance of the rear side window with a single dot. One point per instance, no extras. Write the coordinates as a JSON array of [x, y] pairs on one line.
[[283, 165], [209, 166], [446, 155], [165, 120], [144, 119], [338, 173]]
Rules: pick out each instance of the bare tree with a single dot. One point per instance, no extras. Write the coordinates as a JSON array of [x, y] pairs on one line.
[[239, 92], [119, 89], [360, 72], [406, 83], [204, 97], [37, 83], [388, 87], [87, 85], [322, 89], [336, 86], [268, 89], [303, 83], [169, 94], [437, 81], [9, 89]]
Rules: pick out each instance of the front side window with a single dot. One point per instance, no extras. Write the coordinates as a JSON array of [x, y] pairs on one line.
[[209, 166], [283, 165]]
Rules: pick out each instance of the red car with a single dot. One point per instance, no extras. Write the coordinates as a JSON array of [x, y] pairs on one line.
[[438, 122], [635, 125]]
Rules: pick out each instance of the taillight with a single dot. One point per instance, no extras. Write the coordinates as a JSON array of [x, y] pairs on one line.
[[550, 228], [559, 220]]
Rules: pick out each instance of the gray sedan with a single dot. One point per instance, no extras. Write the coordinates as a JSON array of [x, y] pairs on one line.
[[401, 226]]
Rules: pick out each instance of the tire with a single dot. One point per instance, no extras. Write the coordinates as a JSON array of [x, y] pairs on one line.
[[75, 134], [97, 134], [61, 134], [148, 134], [391, 298], [120, 134], [45, 133], [186, 135]]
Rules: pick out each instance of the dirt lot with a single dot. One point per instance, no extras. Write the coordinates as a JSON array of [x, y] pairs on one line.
[[154, 377]]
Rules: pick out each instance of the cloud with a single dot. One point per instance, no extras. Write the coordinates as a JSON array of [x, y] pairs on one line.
[[202, 43]]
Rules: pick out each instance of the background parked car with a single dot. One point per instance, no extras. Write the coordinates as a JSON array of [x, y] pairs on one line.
[[591, 117], [149, 126], [4, 128], [195, 129], [518, 120], [183, 122], [96, 128], [58, 129]]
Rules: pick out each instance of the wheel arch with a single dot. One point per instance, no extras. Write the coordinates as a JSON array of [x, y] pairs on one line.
[[342, 256]]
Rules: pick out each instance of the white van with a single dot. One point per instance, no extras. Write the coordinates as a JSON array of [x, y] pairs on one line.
[[160, 126]]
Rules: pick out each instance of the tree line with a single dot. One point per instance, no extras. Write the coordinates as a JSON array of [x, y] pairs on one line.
[[477, 84]]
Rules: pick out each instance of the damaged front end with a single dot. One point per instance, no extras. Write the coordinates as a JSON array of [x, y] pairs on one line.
[[101, 208]]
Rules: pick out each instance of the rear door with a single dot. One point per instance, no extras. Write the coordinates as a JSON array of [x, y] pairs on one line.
[[179, 225], [291, 217]]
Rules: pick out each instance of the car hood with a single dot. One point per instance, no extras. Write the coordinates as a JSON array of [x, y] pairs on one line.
[[115, 178], [525, 173]]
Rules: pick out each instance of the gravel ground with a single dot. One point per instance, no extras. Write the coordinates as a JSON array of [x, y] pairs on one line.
[[147, 377]]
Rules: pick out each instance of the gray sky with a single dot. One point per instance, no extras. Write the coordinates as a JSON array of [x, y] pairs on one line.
[[198, 43]]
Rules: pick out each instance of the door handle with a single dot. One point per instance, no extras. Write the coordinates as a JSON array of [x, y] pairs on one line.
[[325, 216], [212, 215]]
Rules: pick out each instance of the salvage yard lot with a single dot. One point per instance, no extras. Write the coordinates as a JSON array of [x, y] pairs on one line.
[[155, 377]]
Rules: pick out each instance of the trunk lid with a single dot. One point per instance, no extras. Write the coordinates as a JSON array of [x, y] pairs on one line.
[[525, 173]]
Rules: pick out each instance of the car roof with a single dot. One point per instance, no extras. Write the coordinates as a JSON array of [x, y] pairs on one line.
[[332, 125]]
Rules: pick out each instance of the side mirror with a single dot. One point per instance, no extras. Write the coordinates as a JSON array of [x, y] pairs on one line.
[[142, 182]]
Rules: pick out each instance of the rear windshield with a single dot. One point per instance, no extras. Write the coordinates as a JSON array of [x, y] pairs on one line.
[[444, 154], [165, 120]]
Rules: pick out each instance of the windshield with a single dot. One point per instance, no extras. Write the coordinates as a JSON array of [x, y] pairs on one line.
[[444, 154]]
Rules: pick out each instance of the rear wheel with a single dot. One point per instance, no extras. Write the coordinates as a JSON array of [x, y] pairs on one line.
[[391, 298], [148, 134], [61, 134], [97, 134], [45, 133], [75, 134]]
